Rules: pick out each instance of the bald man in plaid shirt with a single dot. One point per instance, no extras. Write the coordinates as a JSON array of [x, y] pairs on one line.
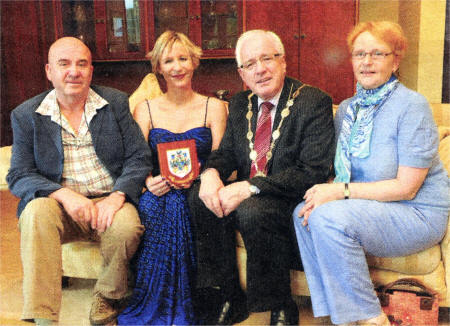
[[79, 163]]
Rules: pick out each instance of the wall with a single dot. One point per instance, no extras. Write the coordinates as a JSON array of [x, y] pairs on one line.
[[431, 49], [378, 10], [446, 77], [424, 24], [410, 21], [22, 66]]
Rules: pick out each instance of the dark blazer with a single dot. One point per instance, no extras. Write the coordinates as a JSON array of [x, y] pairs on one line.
[[38, 157], [303, 154]]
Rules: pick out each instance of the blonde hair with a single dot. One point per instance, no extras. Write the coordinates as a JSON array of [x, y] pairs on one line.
[[255, 33], [389, 32], [166, 41]]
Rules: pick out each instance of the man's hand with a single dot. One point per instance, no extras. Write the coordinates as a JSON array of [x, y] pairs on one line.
[[209, 191], [78, 207], [107, 208], [232, 195]]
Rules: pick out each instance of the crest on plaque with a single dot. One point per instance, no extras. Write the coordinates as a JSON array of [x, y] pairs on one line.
[[178, 161]]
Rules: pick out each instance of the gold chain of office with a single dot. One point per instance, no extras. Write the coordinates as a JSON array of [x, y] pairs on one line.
[[275, 134]]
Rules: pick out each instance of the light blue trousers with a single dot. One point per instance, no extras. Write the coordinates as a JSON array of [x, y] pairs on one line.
[[334, 243]]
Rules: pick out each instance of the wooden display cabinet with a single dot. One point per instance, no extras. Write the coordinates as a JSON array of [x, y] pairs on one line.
[[127, 29], [314, 37], [313, 32]]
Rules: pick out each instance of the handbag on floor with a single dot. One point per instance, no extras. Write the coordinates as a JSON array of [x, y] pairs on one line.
[[407, 301]]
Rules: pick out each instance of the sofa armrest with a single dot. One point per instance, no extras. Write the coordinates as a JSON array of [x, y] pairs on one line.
[[5, 162], [444, 152], [441, 113], [445, 251]]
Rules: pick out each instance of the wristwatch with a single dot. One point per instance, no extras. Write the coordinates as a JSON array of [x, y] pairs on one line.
[[346, 191], [254, 190]]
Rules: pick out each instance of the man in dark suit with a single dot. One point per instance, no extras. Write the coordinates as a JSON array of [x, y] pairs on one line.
[[78, 164], [280, 140]]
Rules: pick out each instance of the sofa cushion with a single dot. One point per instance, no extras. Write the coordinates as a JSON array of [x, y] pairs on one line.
[[441, 113], [5, 159], [423, 262], [444, 131], [82, 259], [148, 89], [444, 148]]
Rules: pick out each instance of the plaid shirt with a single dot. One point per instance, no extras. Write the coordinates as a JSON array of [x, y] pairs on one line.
[[83, 172]]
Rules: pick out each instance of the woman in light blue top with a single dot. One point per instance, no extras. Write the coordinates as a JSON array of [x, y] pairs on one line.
[[390, 196]]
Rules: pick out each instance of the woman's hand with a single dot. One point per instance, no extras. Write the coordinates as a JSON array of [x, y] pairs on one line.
[[318, 195], [157, 185]]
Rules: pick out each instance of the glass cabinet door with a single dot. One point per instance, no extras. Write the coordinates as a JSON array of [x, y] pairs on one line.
[[220, 25], [171, 15], [120, 29], [123, 27], [214, 25], [78, 21]]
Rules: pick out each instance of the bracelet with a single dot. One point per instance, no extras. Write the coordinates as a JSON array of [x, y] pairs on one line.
[[346, 191]]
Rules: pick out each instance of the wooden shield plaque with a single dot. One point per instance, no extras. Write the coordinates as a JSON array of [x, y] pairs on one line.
[[178, 161]]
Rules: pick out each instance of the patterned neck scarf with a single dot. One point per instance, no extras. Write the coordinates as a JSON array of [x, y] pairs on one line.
[[356, 131]]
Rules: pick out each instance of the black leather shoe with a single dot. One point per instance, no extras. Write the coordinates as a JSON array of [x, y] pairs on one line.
[[231, 312], [212, 308], [285, 315]]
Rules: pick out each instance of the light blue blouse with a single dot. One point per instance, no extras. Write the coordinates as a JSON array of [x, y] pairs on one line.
[[404, 133]]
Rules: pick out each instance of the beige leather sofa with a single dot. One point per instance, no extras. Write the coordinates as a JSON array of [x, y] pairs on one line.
[[432, 266]]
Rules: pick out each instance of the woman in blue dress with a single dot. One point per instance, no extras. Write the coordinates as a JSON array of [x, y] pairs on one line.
[[390, 196], [165, 262]]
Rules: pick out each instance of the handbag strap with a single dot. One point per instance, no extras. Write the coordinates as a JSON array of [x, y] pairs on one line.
[[410, 282]]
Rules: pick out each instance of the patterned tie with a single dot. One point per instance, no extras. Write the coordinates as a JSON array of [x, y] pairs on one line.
[[262, 138]]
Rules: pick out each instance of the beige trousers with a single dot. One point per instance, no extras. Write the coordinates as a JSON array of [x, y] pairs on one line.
[[44, 226]]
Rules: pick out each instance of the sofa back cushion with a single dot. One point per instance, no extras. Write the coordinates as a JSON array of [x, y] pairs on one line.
[[5, 159]]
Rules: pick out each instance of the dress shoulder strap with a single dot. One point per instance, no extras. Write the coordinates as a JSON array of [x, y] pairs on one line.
[[149, 113], [206, 111]]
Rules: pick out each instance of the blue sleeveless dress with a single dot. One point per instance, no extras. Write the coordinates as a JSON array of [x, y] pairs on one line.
[[165, 261]]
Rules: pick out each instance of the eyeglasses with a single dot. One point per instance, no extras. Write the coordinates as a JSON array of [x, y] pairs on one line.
[[264, 59], [374, 55]]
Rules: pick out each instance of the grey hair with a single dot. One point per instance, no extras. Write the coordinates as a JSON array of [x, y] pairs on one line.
[[253, 33]]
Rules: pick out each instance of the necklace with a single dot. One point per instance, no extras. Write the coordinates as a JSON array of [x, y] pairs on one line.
[[275, 134], [77, 141]]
